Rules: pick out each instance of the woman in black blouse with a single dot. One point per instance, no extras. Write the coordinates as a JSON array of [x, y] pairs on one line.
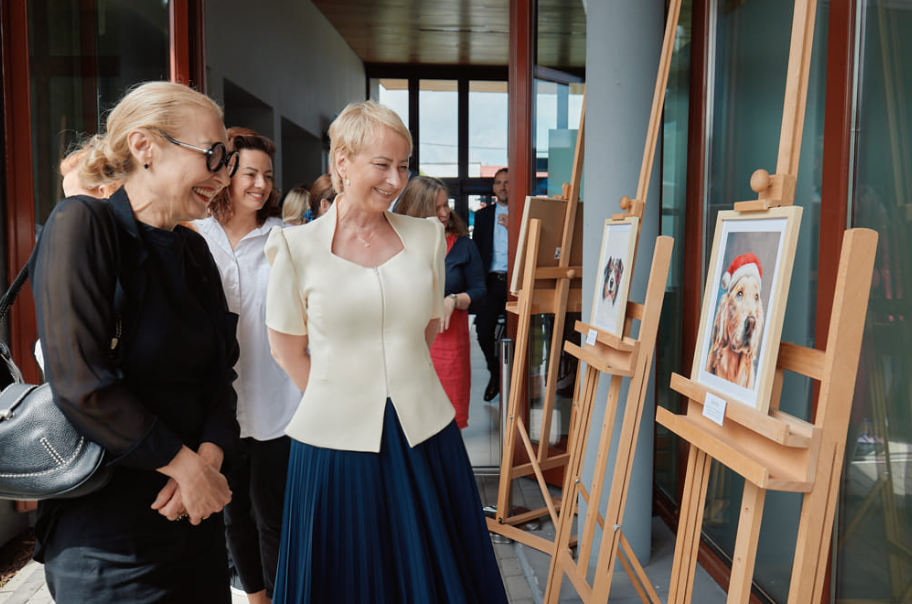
[[160, 401], [425, 196]]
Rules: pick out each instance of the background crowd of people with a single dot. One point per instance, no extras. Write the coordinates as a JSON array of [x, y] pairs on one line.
[[287, 377]]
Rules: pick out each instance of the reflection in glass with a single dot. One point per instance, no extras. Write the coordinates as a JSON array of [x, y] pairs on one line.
[[80, 69], [874, 560], [558, 108], [746, 119], [674, 181], [438, 128]]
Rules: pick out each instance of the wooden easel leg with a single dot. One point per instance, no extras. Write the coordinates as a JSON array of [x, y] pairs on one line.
[[569, 495], [745, 554], [637, 574], [689, 526], [561, 544], [587, 531], [524, 308], [504, 505], [817, 509]]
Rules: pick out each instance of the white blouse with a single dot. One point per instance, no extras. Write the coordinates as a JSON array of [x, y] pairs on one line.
[[366, 332], [267, 398]]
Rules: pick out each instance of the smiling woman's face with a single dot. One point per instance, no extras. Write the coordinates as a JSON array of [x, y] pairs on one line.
[[252, 184], [378, 173], [180, 174]]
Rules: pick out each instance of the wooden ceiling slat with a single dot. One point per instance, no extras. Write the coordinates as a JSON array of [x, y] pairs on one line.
[[446, 32]]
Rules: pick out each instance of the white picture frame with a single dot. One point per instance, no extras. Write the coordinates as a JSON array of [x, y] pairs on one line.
[[615, 269]]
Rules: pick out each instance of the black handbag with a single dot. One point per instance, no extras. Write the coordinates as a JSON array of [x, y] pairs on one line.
[[42, 456]]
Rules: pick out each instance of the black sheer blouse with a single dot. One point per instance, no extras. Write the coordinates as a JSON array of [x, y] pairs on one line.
[[169, 382]]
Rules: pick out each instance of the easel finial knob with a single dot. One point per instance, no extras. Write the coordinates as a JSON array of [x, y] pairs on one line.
[[625, 203], [760, 181]]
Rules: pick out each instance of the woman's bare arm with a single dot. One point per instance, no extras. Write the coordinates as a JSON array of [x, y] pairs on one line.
[[290, 352]]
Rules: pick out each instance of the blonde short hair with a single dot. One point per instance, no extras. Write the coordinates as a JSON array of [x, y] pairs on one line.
[[154, 106], [350, 131]]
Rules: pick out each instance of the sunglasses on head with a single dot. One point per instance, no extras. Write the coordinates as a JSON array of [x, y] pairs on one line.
[[216, 156]]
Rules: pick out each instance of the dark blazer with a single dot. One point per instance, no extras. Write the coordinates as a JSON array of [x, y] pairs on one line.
[[464, 272], [483, 234]]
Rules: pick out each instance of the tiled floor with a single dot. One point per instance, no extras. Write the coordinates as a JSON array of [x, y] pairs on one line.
[[482, 436]]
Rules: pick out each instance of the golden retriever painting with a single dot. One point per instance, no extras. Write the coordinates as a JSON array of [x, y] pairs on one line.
[[738, 327]]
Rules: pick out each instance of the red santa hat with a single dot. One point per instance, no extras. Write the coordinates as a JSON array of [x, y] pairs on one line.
[[745, 264]]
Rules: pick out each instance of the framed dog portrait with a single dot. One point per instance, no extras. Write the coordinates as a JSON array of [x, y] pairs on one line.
[[615, 266], [744, 304]]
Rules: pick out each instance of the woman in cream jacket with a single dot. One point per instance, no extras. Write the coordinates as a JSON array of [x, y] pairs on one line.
[[381, 503]]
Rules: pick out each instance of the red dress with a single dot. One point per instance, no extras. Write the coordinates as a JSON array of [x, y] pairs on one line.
[[451, 355]]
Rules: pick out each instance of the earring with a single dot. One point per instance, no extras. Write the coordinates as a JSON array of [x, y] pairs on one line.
[[146, 166], [347, 182]]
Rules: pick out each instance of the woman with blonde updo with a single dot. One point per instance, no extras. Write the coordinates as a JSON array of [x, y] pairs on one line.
[[140, 347], [381, 503], [423, 197], [69, 170]]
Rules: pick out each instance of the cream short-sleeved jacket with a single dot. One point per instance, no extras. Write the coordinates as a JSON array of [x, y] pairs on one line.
[[365, 329]]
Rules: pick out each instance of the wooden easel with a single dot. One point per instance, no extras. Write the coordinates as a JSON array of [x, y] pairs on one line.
[[618, 357], [776, 450], [555, 298]]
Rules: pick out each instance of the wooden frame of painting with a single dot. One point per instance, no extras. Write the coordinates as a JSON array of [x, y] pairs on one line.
[[744, 303], [615, 269]]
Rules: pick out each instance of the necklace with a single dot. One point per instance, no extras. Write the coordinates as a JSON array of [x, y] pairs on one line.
[[366, 242]]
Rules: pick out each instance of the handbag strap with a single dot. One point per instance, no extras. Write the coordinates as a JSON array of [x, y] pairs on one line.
[[13, 292], [17, 392]]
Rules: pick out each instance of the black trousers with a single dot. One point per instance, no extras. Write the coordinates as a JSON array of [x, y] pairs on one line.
[[253, 519], [486, 317]]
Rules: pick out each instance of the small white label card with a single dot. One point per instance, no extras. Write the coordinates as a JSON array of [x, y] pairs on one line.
[[591, 337], [714, 408], [557, 253]]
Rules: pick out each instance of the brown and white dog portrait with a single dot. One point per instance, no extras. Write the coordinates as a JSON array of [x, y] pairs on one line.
[[738, 327], [614, 272]]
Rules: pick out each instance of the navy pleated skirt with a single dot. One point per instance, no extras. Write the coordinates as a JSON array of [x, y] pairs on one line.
[[399, 526]]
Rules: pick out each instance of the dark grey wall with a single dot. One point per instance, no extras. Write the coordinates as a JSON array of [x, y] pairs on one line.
[[286, 55]]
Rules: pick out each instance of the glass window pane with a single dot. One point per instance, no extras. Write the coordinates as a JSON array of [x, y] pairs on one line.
[[674, 181], [476, 202], [488, 127], [558, 108], [79, 70], [746, 120], [438, 128], [394, 94], [875, 524]]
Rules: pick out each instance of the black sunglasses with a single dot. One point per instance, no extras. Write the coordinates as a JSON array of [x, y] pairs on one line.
[[216, 156]]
